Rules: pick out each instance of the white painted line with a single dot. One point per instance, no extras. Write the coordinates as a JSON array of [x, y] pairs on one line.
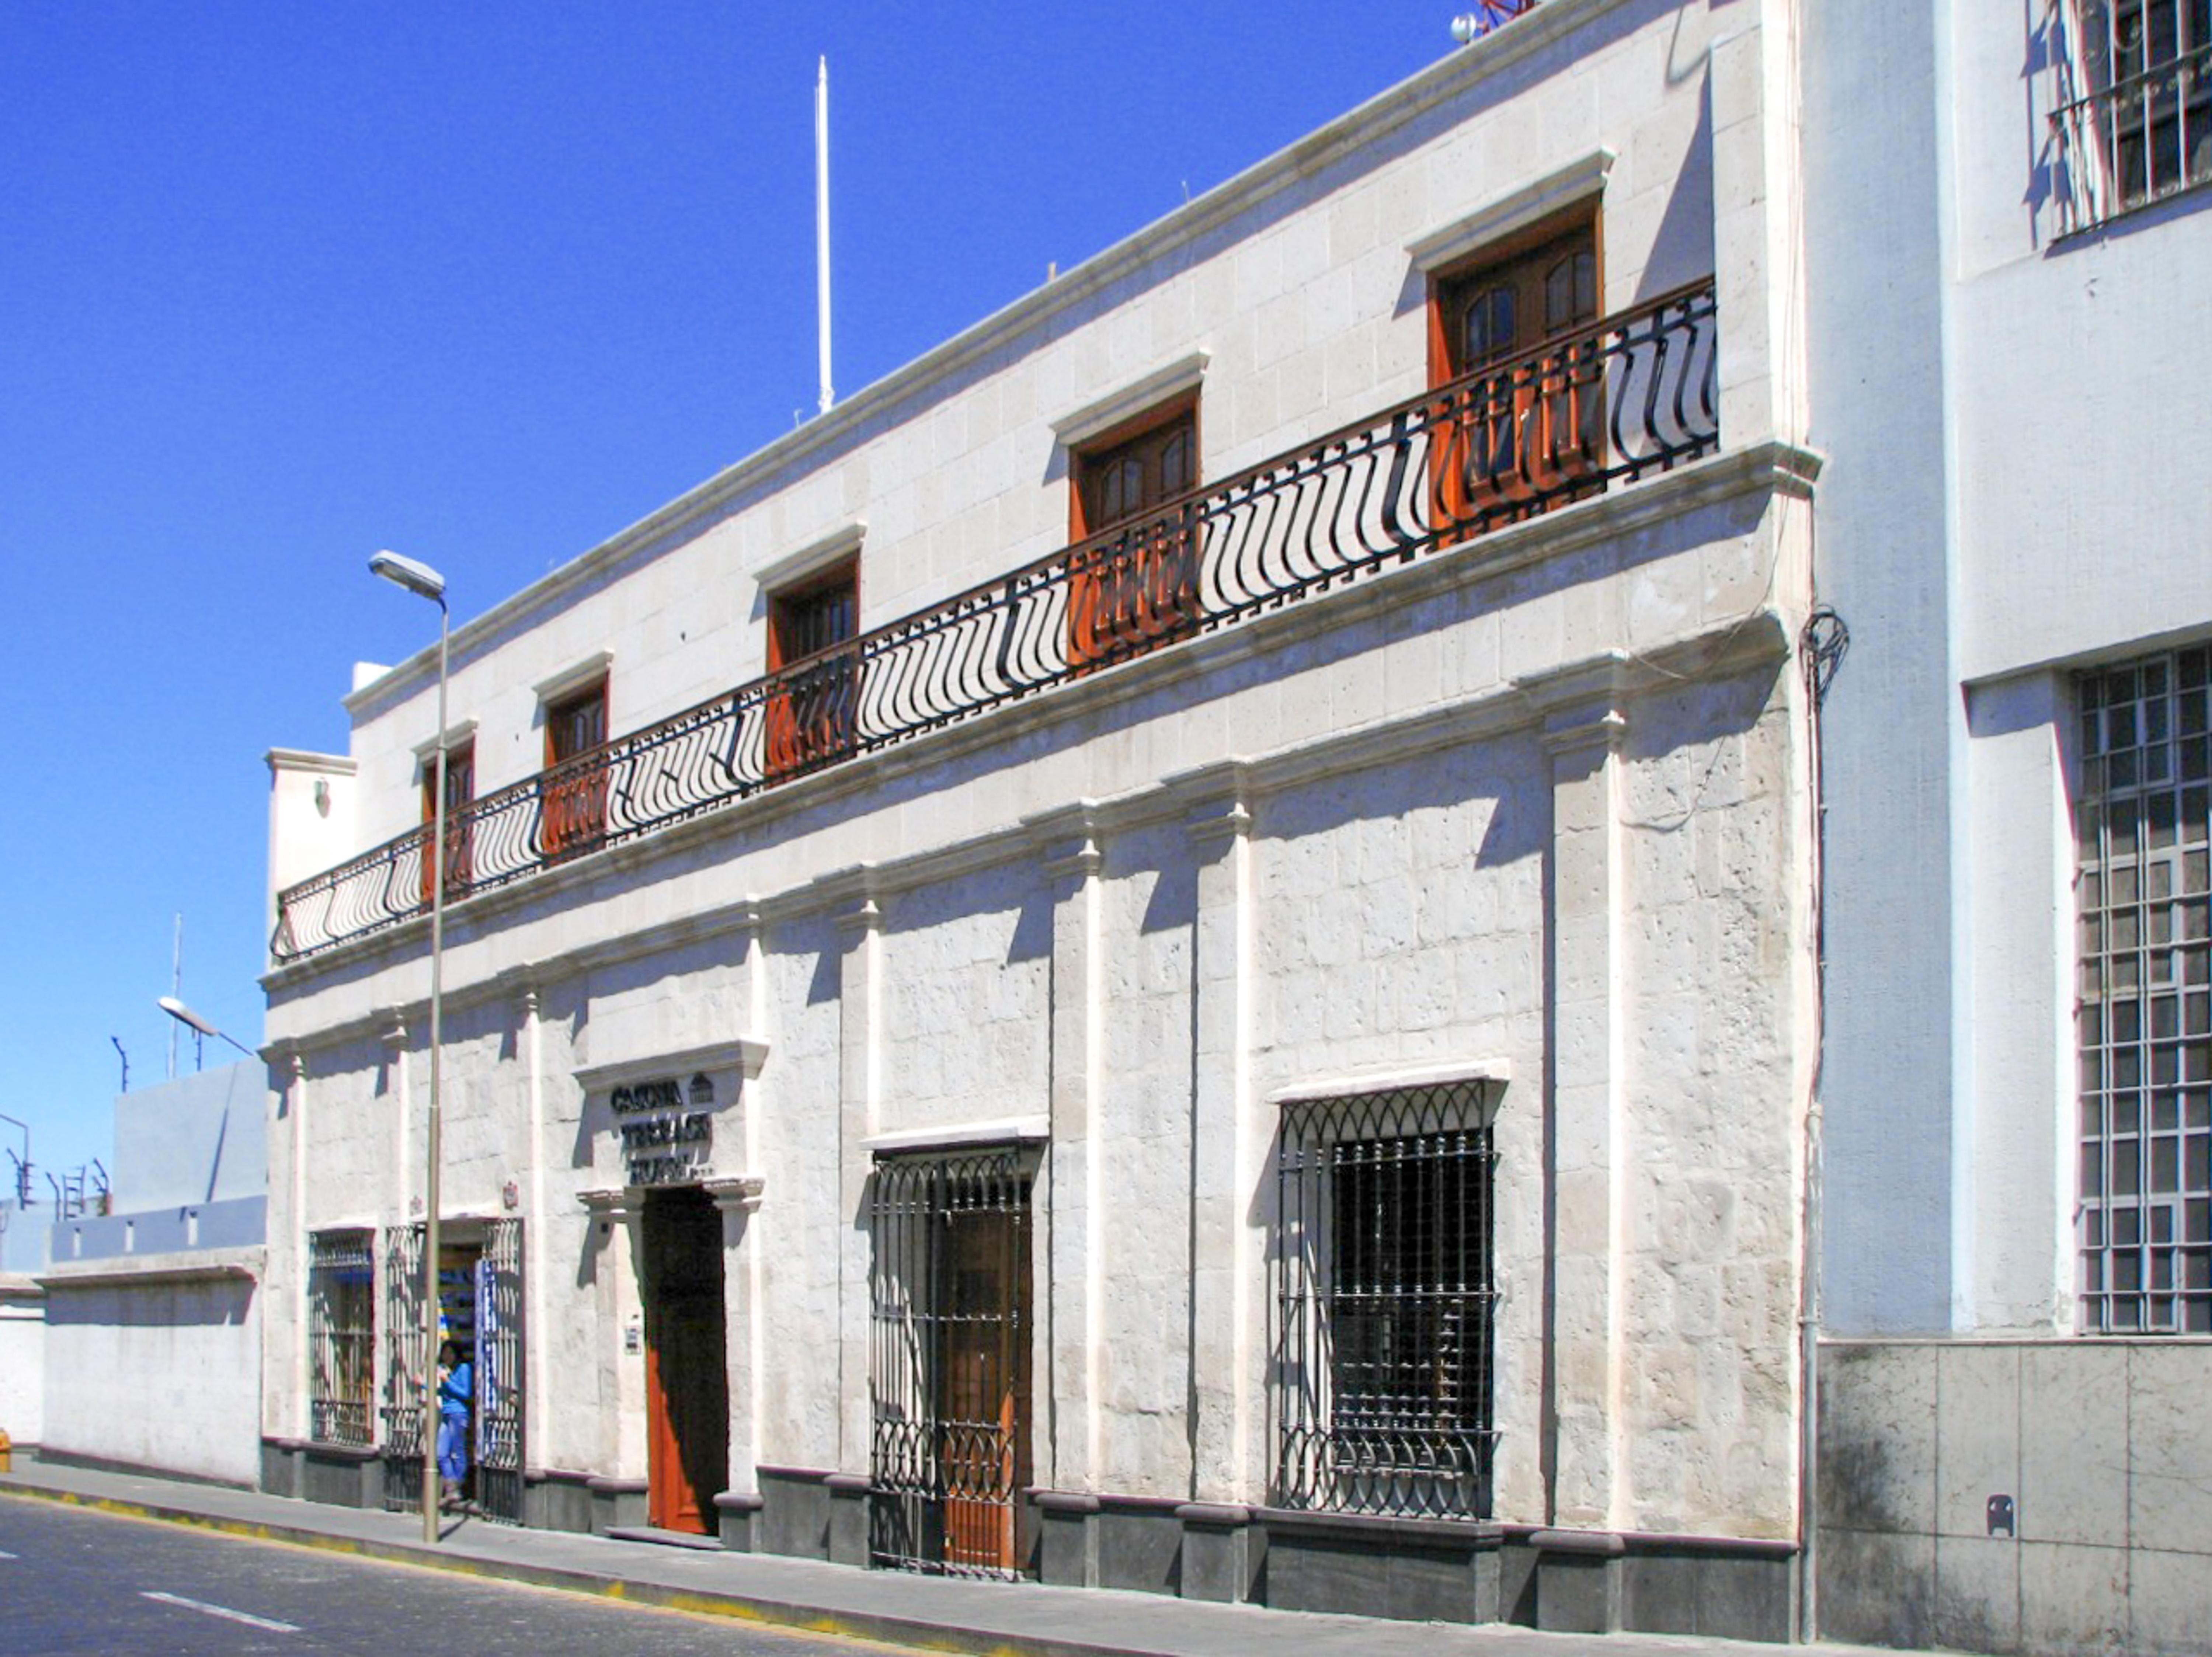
[[222, 1611], [4, 1554]]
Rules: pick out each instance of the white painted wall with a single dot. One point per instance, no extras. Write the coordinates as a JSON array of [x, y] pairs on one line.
[[22, 1359], [157, 1365]]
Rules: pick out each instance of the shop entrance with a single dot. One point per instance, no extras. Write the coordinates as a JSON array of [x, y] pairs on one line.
[[950, 1370], [687, 1396], [480, 1312]]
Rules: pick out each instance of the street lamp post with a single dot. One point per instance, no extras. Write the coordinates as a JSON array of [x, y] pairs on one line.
[[425, 582]]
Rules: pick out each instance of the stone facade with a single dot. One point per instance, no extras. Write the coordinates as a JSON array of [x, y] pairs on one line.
[[1529, 812]]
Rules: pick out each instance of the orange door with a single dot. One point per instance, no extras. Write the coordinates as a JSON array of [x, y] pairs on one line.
[[983, 1440], [812, 715], [686, 1379], [460, 789], [574, 813], [1525, 430], [1130, 592]]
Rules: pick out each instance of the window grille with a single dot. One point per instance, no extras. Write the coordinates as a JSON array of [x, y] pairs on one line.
[[2133, 120], [403, 1366], [949, 1368], [1383, 1294], [341, 1334], [2145, 1012]]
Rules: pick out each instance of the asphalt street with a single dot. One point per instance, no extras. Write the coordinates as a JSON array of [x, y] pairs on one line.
[[73, 1580]]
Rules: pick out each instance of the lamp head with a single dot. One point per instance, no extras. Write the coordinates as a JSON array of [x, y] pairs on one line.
[[417, 578], [184, 1015]]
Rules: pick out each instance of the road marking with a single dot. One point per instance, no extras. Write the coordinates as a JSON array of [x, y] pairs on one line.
[[4, 1554], [222, 1611]]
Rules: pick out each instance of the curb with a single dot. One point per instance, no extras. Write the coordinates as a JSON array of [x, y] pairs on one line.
[[883, 1628]]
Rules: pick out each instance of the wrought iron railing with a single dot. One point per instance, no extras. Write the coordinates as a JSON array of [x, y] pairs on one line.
[[1633, 394]]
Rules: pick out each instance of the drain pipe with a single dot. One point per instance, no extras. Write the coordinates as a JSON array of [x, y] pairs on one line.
[[1823, 642]]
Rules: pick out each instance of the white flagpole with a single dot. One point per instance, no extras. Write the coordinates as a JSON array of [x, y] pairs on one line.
[[822, 222]]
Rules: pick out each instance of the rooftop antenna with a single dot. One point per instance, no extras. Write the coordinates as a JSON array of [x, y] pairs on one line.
[[117, 1041], [176, 988], [822, 223]]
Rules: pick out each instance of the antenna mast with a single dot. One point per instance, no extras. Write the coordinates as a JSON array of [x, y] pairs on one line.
[[822, 223]]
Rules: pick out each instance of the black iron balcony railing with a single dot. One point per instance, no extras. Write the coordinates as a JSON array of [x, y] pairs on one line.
[[1633, 394]]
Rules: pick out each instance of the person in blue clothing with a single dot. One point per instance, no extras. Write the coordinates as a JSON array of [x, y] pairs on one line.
[[456, 1395]]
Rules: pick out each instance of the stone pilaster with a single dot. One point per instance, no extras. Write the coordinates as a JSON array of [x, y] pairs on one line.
[[1227, 1306], [860, 1004], [1583, 725], [1074, 1213], [738, 1198], [617, 1214]]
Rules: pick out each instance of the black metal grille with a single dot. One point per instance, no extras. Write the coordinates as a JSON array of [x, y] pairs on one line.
[[2135, 122], [948, 1372], [403, 1366], [341, 1336], [1632, 395], [1383, 1304], [499, 1374], [2145, 1012]]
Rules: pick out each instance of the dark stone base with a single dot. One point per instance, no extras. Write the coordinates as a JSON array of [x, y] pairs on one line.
[[737, 1515], [1403, 1569], [616, 1504], [848, 1518], [554, 1499], [280, 1466], [341, 1476], [794, 1516]]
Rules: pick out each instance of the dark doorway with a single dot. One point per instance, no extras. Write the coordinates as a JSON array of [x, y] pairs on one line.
[[686, 1374]]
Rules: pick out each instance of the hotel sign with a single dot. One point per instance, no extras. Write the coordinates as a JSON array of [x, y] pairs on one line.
[[668, 1129]]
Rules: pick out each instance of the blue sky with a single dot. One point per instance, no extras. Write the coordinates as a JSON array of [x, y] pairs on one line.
[[280, 285]]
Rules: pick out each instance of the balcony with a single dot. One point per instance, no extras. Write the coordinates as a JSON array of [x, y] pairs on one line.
[[1632, 395]]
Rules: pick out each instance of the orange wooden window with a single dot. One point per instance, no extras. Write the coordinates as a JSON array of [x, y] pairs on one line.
[[575, 794], [1533, 427], [460, 789], [1131, 591], [810, 630]]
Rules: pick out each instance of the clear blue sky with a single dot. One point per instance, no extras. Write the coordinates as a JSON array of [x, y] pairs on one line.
[[283, 284]]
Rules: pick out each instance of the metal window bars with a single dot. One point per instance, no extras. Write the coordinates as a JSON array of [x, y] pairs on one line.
[[1632, 395], [497, 1427], [949, 1364], [2134, 119], [341, 1336], [1383, 1294], [402, 1410], [2144, 1013]]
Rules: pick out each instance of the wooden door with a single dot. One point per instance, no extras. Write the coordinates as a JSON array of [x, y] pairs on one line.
[[984, 1378], [460, 789], [687, 1399], [575, 808], [811, 715], [1131, 591], [1527, 429]]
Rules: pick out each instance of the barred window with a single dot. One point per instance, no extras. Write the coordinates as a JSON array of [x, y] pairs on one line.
[[341, 1351], [2145, 1012], [2133, 120], [1383, 1303]]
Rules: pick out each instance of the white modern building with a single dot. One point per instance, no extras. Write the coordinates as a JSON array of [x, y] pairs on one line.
[[2009, 263], [1175, 949]]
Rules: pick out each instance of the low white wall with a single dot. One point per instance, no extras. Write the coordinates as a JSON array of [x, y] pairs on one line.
[[22, 1359], [157, 1364]]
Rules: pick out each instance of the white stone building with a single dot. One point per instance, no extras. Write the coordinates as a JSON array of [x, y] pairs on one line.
[[1173, 946], [2009, 263]]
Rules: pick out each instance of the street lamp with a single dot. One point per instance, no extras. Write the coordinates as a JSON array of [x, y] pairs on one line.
[[426, 582], [199, 1026]]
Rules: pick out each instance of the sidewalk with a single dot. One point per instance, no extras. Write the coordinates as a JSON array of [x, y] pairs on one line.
[[1019, 1619]]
